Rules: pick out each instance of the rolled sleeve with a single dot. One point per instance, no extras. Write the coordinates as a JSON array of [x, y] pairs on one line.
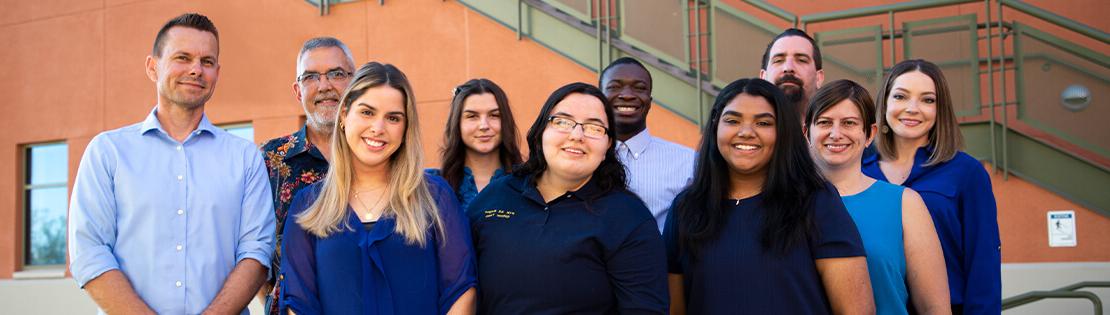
[[92, 214], [256, 236]]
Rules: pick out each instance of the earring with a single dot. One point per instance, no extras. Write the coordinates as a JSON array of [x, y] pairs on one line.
[[885, 129]]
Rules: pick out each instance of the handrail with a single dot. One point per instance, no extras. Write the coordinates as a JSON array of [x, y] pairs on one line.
[[1066, 292], [1030, 297], [774, 10], [879, 9], [1057, 19]]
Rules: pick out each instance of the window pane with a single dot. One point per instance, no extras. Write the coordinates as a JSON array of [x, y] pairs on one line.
[[245, 132], [48, 164], [47, 232]]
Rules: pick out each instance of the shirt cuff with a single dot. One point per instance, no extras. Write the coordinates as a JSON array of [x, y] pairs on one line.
[[87, 267]]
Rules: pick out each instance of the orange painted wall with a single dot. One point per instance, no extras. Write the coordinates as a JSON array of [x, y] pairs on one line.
[[75, 69]]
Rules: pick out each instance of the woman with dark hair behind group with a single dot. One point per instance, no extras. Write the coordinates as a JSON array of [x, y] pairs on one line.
[[759, 231], [562, 234], [480, 142], [919, 145], [903, 254]]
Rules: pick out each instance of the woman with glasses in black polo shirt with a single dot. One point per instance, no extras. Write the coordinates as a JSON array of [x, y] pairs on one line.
[[562, 234]]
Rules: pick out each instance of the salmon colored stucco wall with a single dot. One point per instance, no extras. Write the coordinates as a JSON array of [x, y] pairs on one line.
[[75, 68]]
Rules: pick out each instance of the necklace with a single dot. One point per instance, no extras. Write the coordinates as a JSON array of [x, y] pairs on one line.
[[368, 209]]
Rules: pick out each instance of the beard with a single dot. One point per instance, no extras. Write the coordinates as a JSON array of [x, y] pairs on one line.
[[794, 93]]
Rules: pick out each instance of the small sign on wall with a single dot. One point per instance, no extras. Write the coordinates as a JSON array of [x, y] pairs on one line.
[[1061, 228]]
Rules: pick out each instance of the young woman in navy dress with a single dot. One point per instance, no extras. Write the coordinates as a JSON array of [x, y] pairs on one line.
[[759, 231]]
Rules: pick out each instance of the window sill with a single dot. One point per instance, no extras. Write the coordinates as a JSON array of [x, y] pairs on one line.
[[40, 273]]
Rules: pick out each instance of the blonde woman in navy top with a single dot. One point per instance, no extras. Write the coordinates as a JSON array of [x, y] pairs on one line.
[[377, 236], [903, 253], [919, 147], [759, 231]]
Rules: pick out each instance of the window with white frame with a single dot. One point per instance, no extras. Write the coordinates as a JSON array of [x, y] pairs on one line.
[[45, 202], [243, 130]]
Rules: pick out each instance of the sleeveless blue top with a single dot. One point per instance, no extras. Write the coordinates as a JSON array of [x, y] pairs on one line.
[[877, 212]]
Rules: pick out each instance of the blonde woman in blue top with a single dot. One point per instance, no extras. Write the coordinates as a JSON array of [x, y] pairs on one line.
[[377, 236], [919, 147], [903, 253]]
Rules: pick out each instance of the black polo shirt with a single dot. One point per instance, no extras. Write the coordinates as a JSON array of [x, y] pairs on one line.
[[586, 252]]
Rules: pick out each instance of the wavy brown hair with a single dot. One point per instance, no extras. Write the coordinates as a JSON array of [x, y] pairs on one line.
[[454, 150]]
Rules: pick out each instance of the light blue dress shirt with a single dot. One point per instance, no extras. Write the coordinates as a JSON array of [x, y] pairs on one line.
[[657, 171], [174, 217]]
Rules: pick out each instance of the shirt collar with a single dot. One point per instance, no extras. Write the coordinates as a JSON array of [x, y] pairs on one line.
[[638, 143], [525, 185], [151, 123], [301, 145]]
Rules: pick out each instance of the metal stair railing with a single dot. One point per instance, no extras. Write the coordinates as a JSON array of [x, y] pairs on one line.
[[1067, 292]]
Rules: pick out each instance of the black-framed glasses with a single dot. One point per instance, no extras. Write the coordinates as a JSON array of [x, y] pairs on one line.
[[333, 76], [567, 125]]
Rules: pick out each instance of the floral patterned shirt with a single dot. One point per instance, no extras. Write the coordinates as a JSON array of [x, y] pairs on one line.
[[293, 163]]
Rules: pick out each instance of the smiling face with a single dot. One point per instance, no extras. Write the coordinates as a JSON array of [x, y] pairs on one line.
[[746, 135], [791, 67], [911, 107], [187, 70], [838, 136], [320, 97], [628, 88], [480, 124], [374, 127], [573, 156]]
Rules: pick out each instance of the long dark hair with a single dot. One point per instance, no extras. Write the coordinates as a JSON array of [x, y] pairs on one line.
[[791, 180], [454, 150], [609, 175]]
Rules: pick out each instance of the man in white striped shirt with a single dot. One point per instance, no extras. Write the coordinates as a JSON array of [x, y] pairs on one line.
[[657, 169]]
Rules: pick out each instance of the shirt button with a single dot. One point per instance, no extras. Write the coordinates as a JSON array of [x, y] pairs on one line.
[[179, 248], [180, 211], [178, 284], [179, 148], [180, 177]]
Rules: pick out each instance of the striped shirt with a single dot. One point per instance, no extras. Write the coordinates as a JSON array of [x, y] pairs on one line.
[[657, 171]]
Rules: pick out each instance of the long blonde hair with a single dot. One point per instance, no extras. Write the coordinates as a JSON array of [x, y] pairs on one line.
[[410, 202]]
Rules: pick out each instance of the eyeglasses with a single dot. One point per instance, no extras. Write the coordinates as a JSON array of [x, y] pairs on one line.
[[567, 125], [333, 76]]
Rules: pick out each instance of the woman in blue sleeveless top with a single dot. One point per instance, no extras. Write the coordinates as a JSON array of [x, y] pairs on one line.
[[919, 147], [902, 247]]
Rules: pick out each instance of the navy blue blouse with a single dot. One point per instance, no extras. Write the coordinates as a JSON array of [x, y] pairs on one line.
[[960, 199], [356, 271], [734, 274], [586, 252], [467, 189]]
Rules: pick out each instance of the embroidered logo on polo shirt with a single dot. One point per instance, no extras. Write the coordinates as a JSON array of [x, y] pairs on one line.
[[500, 214]]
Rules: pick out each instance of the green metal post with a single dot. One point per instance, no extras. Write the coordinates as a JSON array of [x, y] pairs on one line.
[[519, 18], [990, 83], [893, 57], [697, 68], [1005, 115]]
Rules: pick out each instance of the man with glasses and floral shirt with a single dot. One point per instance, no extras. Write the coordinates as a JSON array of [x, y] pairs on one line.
[[324, 69]]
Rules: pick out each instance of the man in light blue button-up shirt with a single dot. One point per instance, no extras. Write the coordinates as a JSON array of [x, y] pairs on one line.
[[172, 215], [657, 169]]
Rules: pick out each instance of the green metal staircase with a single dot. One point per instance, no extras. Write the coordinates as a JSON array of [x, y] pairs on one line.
[[1020, 123]]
